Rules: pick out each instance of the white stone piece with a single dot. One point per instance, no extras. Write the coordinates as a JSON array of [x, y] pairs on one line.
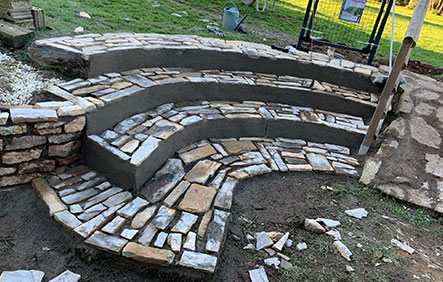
[[22, 276], [329, 223], [263, 241], [258, 275], [357, 213], [190, 241], [301, 246], [67, 276]]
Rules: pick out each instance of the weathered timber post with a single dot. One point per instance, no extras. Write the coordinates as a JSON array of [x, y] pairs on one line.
[[38, 15], [401, 61]]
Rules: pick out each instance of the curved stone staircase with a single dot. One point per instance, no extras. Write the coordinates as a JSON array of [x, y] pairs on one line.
[[168, 141]]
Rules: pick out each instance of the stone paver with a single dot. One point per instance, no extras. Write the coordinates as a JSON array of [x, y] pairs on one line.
[[186, 225]]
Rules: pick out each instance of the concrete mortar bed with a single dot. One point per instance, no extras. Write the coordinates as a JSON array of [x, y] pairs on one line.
[[141, 143], [90, 55], [180, 217]]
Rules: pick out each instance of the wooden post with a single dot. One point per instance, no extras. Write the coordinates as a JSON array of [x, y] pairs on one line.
[[38, 15], [409, 42]]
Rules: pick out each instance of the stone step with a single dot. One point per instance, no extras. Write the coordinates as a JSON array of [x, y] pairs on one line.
[[90, 55], [119, 95], [180, 217], [132, 150]]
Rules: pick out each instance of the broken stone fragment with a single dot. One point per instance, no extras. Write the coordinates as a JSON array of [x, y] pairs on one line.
[[286, 265], [344, 251], [67, 276], [263, 241], [22, 275], [289, 243], [402, 246], [313, 226], [272, 262], [301, 246], [249, 247], [334, 233], [258, 275], [279, 245], [357, 213], [329, 223], [349, 268]]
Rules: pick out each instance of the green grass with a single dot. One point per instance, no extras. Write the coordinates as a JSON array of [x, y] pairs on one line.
[[283, 25], [418, 217]]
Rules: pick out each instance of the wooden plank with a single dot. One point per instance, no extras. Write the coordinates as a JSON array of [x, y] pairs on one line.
[[13, 35]]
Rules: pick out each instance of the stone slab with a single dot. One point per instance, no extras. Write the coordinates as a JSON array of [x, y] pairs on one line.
[[148, 254], [198, 261], [106, 242], [198, 199]]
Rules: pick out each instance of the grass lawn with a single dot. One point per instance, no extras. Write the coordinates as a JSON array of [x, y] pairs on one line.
[[281, 27]]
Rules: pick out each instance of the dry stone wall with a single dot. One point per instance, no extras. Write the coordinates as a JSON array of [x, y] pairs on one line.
[[38, 139]]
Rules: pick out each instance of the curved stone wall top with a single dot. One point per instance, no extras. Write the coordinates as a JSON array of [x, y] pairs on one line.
[[94, 54]]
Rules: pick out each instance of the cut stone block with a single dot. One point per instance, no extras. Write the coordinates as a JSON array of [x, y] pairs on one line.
[[106, 242], [148, 254], [13, 35], [198, 261]]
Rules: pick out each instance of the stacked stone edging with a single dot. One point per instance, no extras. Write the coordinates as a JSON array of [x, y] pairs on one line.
[[36, 140], [90, 55], [41, 138]]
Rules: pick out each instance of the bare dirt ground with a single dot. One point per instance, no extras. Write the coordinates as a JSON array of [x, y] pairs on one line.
[[30, 239]]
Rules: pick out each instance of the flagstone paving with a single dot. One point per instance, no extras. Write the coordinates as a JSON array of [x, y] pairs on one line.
[[185, 224], [409, 163]]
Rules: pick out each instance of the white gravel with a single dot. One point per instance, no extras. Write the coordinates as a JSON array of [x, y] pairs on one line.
[[19, 81]]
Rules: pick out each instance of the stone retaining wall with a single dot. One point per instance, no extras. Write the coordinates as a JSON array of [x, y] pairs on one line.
[[38, 139]]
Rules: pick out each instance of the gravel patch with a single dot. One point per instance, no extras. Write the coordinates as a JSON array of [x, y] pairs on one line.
[[19, 81]]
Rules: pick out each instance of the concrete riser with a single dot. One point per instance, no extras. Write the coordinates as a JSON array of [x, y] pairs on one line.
[[107, 117], [133, 178], [128, 59]]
